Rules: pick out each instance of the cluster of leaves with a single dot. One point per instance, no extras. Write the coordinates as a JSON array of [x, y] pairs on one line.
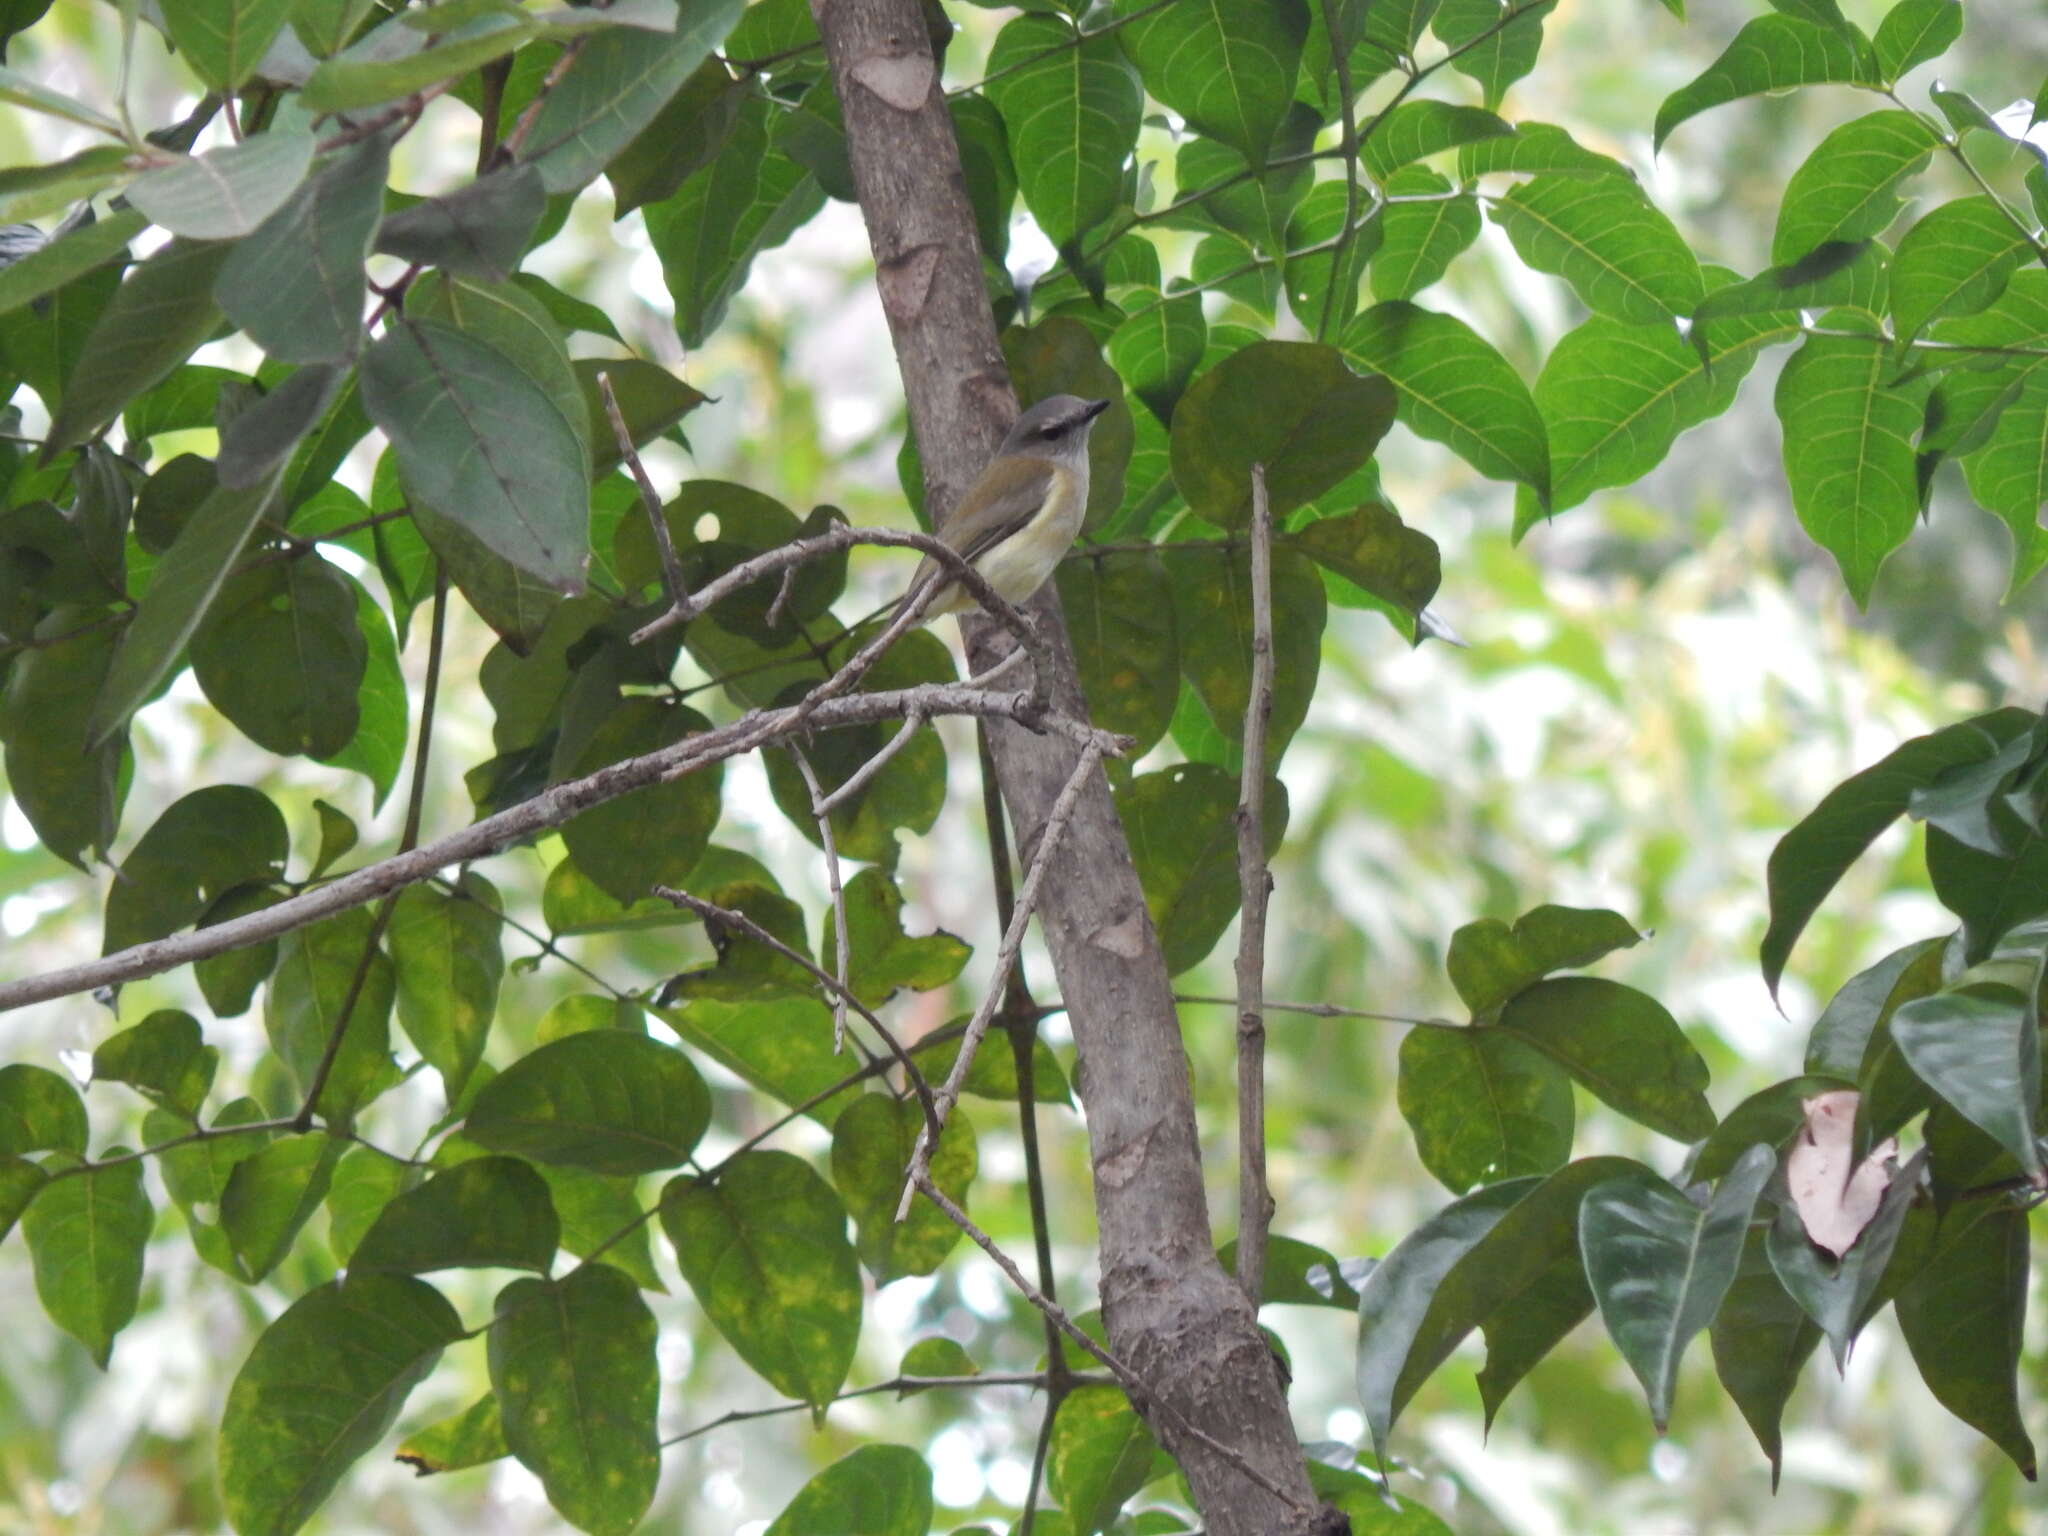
[[176, 513]]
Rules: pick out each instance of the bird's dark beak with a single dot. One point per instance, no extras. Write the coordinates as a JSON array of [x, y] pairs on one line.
[[1095, 409]]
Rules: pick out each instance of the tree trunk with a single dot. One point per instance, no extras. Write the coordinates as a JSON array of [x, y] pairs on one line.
[[1171, 1311]]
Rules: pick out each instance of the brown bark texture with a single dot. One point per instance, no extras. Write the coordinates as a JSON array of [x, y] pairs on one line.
[[1172, 1313]]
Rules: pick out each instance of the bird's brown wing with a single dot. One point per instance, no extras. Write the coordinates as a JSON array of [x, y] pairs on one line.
[[1008, 519]]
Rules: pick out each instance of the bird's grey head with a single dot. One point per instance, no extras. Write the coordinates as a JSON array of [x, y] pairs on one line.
[[1055, 428]]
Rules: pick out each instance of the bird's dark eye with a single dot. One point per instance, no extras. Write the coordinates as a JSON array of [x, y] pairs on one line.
[[1055, 432]]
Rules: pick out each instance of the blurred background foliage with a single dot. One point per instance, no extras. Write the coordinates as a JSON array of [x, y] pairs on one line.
[[1654, 689]]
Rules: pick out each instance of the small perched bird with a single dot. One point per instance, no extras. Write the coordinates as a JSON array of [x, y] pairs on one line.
[[1020, 517]]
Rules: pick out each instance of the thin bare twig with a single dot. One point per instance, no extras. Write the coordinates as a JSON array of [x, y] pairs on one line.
[[1006, 957], [1133, 1384], [783, 593], [1328, 1011], [900, 1384], [712, 912], [1255, 885], [650, 499], [549, 809], [843, 942], [865, 773], [516, 139]]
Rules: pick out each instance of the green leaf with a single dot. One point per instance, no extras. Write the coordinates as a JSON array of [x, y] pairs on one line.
[[1229, 70], [1761, 1338], [374, 70], [70, 792], [467, 1439], [158, 316], [1621, 1045], [594, 1210], [1977, 1043], [879, 1490], [1292, 406], [936, 1355], [87, 1229], [223, 40], [22, 91], [1771, 53], [84, 249], [1483, 1107], [1454, 388], [1964, 1318], [782, 1045], [1516, 1268], [764, 1249], [1183, 830], [1396, 1297], [611, 1102], [448, 960], [297, 285], [1840, 1297], [323, 1385], [1298, 1273], [280, 655], [1601, 234], [40, 1111], [1849, 451], [1119, 613], [480, 230], [257, 443], [651, 399], [1489, 53], [1536, 148], [202, 847], [489, 1213], [229, 981], [1809, 859], [316, 971], [686, 135], [1420, 237], [1913, 32], [164, 1058], [1660, 1265], [1372, 560], [485, 445], [1072, 117], [993, 1073], [1845, 188], [1100, 1454], [1157, 349], [750, 199], [364, 1182], [1212, 601], [19, 1181], [1420, 128], [985, 163], [227, 192], [271, 1194], [180, 593], [655, 835], [1489, 962], [882, 956], [872, 1142], [378, 750], [620, 79]]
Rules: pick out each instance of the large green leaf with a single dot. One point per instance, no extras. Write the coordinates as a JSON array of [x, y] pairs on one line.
[[1489, 961], [1182, 823], [1840, 1296], [51, 266], [1119, 613], [1212, 602], [764, 1249], [1495, 42], [448, 958], [1760, 1338], [1913, 32], [1071, 111], [279, 653], [484, 444], [1660, 1265], [1964, 1318], [1618, 251], [1228, 69], [1454, 388], [1157, 349], [1483, 1106], [316, 974], [882, 957], [1417, 129], [609, 1102], [227, 192], [40, 1111], [86, 1229], [271, 1194], [70, 791], [1099, 1455], [879, 1490], [1621, 1045], [202, 847], [620, 79], [296, 285], [1291, 406], [480, 230], [1421, 234], [872, 1142], [1771, 53], [1844, 189], [164, 1058], [572, 1366], [652, 836], [322, 1386], [223, 40]]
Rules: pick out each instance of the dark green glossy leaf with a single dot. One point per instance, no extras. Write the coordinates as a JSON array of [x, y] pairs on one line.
[[879, 1490], [1183, 830], [1483, 1106], [1212, 601], [1772, 1116], [70, 792], [1119, 613], [164, 1058], [489, 1213], [280, 655], [378, 749], [259, 441], [1157, 349], [316, 970], [765, 1251], [323, 1385], [651, 399], [86, 1231], [1620, 1044], [1771, 53], [1489, 962], [872, 1142], [1977, 1043], [610, 1102], [1072, 119], [480, 230], [1760, 1338], [1371, 560], [686, 135], [1660, 1265], [205, 845], [448, 960]]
